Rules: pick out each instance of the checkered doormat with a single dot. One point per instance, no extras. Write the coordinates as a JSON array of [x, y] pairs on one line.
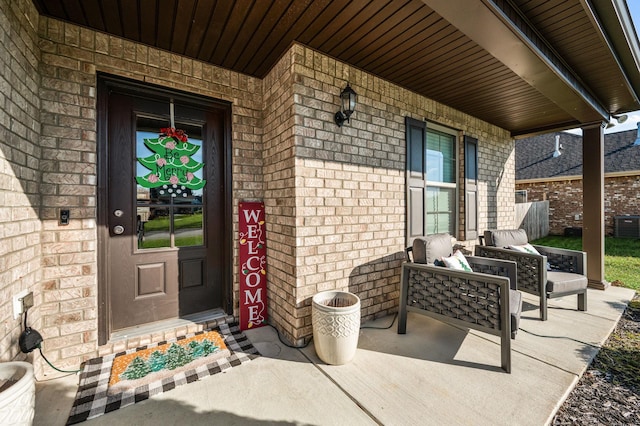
[[100, 391]]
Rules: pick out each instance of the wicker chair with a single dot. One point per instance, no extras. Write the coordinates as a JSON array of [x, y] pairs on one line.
[[485, 299], [553, 273]]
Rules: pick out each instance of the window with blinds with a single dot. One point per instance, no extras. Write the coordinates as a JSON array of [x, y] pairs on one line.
[[441, 188], [434, 181]]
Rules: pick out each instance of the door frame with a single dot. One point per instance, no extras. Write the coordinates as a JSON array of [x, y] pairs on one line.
[[107, 83]]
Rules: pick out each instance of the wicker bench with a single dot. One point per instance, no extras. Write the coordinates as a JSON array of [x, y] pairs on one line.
[[482, 300]]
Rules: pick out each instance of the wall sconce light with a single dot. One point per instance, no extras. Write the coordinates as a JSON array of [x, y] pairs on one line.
[[348, 105], [619, 118]]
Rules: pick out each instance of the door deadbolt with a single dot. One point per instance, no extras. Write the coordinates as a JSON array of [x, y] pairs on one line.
[[118, 229], [118, 213]]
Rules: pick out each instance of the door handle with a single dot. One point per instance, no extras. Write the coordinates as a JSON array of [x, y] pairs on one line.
[[118, 229]]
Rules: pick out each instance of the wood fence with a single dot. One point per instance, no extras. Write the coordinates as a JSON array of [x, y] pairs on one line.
[[533, 218]]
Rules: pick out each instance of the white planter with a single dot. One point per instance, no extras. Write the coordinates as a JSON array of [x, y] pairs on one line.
[[18, 395], [335, 316]]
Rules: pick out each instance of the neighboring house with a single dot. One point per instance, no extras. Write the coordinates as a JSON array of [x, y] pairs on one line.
[[443, 88], [549, 167]]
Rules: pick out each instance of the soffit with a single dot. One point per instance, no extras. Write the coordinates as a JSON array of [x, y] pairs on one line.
[[584, 45], [404, 41]]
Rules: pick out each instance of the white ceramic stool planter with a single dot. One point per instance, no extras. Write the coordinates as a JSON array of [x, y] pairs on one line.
[[335, 316], [18, 395]]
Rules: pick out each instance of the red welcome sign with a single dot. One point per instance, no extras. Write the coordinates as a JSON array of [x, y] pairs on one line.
[[253, 265]]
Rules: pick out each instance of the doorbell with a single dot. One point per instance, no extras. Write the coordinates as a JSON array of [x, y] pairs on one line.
[[64, 217]]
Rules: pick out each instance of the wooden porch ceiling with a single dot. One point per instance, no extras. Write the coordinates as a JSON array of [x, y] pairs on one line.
[[528, 66]]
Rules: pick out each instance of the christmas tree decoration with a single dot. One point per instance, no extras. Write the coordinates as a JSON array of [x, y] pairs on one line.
[[195, 349], [177, 356], [171, 166], [154, 361], [137, 369], [157, 361], [208, 347]]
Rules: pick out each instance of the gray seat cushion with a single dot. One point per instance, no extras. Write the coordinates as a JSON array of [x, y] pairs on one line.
[[515, 308], [561, 282], [505, 238], [429, 248]]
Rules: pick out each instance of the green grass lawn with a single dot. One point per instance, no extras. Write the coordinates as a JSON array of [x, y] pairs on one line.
[[621, 257], [180, 242], [180, 222]]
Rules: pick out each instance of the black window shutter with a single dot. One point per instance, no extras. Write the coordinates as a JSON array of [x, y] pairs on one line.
[[470, 188], [416, 178]]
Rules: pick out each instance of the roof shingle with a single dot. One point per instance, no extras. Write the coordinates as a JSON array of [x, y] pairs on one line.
[[535, 160]]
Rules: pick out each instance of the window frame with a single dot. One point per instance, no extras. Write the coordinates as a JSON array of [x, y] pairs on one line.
[[416, 183], [456, 186]]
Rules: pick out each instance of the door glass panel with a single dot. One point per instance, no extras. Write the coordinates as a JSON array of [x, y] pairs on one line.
[[154, 228], [169, 176], [188, 226]]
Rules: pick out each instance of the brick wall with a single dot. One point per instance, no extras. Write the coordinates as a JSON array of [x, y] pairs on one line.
[[280, 182], [621, 197], [350, 181], [19, 167], [335, 196]]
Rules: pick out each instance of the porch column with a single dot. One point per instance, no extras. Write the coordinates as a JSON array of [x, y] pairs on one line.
[[593, 204]]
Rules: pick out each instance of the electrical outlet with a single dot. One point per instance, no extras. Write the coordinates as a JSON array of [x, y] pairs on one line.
[[21, 302]]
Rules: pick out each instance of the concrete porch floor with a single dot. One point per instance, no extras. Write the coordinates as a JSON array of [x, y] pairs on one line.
[[436, 374]]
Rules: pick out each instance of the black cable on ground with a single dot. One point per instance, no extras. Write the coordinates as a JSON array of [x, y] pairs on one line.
[[53, 366], [309, 341], [383, 328], [560, 337], [54, 378], [287, 344]]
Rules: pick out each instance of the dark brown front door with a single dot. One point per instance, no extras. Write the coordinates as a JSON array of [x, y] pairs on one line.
[[166, 236]]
